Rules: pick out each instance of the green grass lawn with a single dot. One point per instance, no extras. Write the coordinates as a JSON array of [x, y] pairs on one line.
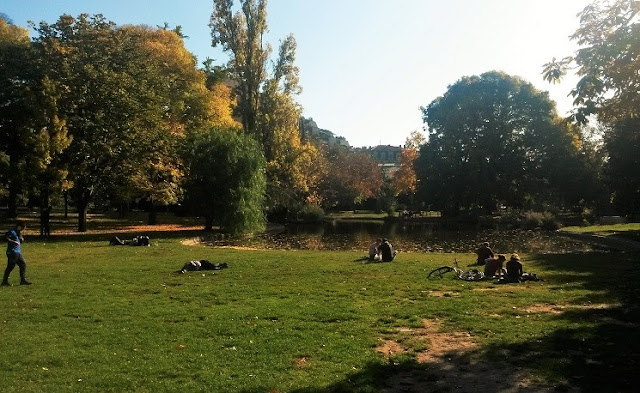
[[628, 231], [101, 318]]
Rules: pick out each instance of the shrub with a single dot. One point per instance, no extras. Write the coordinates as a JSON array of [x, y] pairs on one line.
[[311, 213], [544, 220]]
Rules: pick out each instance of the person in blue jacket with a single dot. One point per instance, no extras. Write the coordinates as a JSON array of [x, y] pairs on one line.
[[14, 254]]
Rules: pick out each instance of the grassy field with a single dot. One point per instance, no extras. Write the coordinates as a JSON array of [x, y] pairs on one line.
[[627, 231], [102, 318]]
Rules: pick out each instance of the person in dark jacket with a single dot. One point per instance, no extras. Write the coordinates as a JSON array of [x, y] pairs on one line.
[[14, 254], [514, 269], [484, 253], [387, 251]]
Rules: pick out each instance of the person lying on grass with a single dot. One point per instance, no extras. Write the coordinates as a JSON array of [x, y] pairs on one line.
[[203, 264]]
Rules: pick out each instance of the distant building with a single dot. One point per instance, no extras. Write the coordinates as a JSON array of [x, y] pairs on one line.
[[309, 129], [387, 156]]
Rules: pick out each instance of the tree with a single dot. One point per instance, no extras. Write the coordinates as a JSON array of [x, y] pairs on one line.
[[352, 177], [128, 95], [226, 181], [15, 106], [607, 62], [240, 35], [265, 97], [493, 140], [622, 140], [32, 134], [404, 179]]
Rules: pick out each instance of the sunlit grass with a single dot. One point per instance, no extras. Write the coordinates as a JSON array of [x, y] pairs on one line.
[[101, 318]]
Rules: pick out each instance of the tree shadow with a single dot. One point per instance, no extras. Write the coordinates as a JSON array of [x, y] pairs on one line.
[[124, 235], [594, 346]]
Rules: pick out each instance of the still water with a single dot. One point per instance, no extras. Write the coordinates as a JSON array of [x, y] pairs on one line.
[[407, 236]]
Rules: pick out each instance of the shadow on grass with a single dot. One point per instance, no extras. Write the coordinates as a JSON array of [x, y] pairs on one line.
[[593, 349], [123, 235]]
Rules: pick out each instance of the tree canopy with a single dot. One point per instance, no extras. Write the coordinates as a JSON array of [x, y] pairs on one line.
[[607, 61], [493, 140], [608, 64]]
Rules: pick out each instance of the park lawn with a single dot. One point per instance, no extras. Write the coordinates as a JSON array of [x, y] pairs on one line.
[[627, 231], [102, 318]]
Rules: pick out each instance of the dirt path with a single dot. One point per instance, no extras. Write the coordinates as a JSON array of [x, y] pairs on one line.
[[451, 363]]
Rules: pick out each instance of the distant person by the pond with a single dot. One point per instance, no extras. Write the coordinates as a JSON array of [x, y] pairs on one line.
[[374, 250], [387, 252], [45, 216], [14, 254], [484, 252]]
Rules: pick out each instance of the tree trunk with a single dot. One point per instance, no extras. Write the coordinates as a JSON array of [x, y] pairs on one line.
[[14, 188], [208, 223], [66, 204], [153, 214], [45, 213], [82, 216]]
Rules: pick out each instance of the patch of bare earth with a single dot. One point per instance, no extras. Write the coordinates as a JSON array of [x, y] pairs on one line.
[[443, 293], [452, 364]]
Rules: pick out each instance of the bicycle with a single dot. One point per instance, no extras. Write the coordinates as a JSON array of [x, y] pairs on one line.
[[471, 275], [442, 270]]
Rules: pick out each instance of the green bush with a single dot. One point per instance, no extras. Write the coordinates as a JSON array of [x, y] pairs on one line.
[[534, 220], [311, 213]]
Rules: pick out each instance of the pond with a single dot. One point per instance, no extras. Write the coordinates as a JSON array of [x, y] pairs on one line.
[[407, 235]]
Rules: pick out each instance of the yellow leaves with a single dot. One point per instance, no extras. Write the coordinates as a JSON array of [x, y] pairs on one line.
[[221, 104], [10, 34]]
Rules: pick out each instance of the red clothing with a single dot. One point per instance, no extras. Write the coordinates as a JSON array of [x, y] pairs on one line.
[[492, 266]]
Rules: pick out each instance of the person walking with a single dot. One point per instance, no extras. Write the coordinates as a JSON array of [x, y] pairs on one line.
[[14, 254]]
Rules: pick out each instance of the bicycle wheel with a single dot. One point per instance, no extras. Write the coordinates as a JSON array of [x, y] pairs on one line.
[[439, 272]]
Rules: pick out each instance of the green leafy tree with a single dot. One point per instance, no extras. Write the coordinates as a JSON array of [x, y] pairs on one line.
[[226, 181], [33, 135], [622, 140], [265, 97], [16, 103], [129, 95], [493, 140], [608, 64]]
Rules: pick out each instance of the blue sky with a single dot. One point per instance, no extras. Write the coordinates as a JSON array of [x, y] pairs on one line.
[[366, 66]]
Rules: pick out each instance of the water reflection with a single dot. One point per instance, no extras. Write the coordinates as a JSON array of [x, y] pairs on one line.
[[408, 236]]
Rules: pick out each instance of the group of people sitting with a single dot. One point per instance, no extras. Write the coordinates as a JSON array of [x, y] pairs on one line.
[[381, 250], [494, 266]]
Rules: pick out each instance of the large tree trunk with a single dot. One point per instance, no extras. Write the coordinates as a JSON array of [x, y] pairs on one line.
[[82, 216]]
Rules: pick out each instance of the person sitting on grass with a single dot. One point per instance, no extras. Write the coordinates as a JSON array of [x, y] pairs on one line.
[[387, 251], [14, 254], [484, 252], [494, 266], [374, 251], [203, 264], [514, 269]]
